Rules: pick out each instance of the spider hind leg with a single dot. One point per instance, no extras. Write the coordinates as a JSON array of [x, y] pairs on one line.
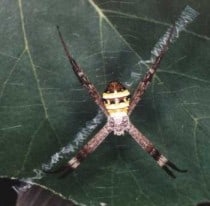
[[72, 164], [164, 163], [169, 172], [87, 149], [148, 147]]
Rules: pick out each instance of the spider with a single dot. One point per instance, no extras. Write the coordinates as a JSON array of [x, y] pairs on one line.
[[117, 105]]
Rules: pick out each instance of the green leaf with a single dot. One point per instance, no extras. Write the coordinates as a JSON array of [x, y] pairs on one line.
[[43, 106]]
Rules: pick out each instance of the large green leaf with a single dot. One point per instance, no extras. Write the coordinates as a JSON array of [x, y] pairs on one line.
[[43, 106]]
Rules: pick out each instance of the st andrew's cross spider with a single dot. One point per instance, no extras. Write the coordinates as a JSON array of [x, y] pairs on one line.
[[117, 104]]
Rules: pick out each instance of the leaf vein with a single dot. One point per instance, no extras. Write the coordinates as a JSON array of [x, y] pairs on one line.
[[31, 59], [183, 75], [150, 20], [10, 74]]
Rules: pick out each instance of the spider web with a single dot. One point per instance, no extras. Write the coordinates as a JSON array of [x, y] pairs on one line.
[[77, 142], [187, 16]]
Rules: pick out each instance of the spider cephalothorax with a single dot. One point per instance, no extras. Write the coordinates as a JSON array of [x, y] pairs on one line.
[[117, 106]]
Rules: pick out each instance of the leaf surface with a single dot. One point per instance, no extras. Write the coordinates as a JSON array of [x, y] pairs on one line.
[[43, 106]]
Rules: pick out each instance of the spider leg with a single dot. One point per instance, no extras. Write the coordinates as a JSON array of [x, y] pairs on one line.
[[142, 86], [90, 147], [82, 77], [161, 160]]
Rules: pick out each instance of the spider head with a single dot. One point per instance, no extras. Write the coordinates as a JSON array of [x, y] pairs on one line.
[[116, 98], [119, 123]]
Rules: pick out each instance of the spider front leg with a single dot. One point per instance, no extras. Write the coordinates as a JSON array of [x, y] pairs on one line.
[[82, 77], [161, 160], [90, 147], [142, 86]]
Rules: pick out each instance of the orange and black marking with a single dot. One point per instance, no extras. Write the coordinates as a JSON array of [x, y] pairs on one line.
[[116, 98]]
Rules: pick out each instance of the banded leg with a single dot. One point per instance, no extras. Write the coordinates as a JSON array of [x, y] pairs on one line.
[[82, 77], [142, 86], [90, 147], [161, 160]]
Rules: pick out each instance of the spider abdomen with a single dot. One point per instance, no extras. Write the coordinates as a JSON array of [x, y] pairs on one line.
[[116, 98]]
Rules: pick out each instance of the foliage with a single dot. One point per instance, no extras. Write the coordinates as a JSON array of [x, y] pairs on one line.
[[42, 104]]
